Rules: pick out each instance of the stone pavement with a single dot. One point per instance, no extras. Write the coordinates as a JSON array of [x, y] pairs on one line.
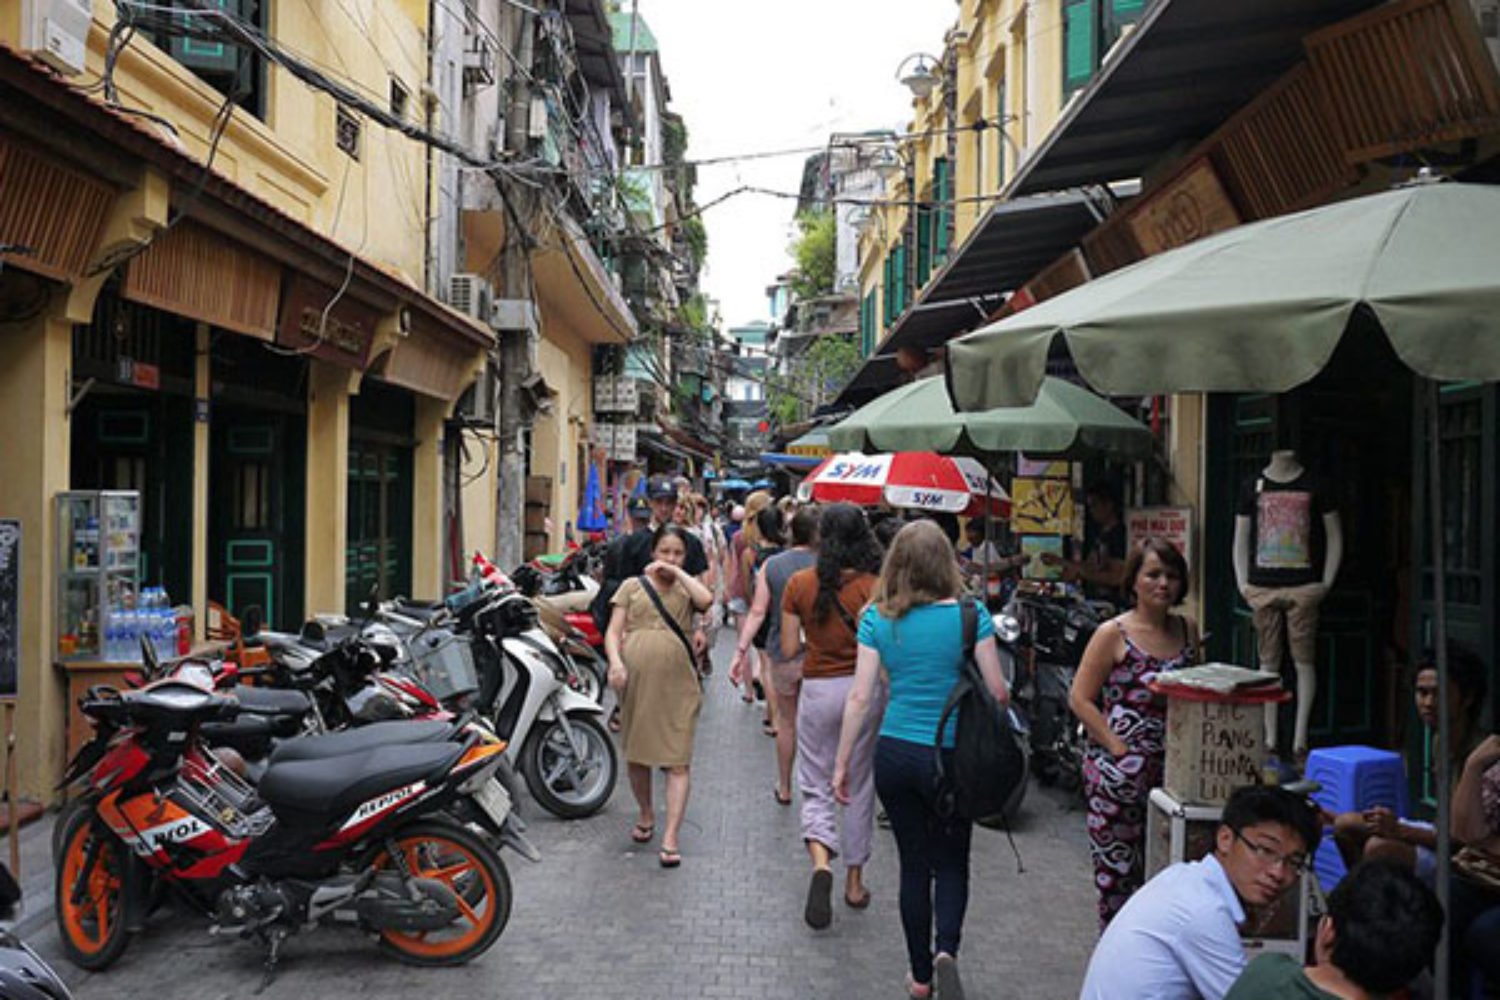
[[598, 918]]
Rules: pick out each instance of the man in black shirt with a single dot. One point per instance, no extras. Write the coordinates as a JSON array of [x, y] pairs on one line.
[[1102, 568], [629, 555]]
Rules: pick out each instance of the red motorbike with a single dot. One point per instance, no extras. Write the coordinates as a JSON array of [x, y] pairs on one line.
[[344, 829]]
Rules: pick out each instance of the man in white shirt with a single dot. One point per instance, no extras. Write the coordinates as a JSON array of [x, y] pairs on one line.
[[1178, 937]]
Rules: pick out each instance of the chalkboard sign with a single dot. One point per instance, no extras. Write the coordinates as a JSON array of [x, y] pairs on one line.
[[10, 605]]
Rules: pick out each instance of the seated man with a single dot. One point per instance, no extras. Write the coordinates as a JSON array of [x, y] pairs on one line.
[[1380, 931], [1378, 833], [1178, 937]]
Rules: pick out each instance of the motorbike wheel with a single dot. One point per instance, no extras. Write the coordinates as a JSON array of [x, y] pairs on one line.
[[92, 929], [474, 871], [564, 786]]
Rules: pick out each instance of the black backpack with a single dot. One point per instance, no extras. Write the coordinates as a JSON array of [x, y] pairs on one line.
[[989, 755]]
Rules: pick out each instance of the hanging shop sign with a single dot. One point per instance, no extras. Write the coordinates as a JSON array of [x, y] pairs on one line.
[[1174, 524], [196, 272], [604, 394], [1041, 506], [1187, 208], [624, 447], [317, 320], [138, 373]]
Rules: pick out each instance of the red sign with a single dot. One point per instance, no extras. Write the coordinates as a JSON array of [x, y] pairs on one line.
[[1174, 524]]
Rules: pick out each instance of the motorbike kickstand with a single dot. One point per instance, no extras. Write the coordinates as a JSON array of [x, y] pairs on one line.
[[273, 939]]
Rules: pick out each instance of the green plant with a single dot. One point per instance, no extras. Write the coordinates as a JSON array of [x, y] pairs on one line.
[[815, 378], [815, 251], [695, 234]]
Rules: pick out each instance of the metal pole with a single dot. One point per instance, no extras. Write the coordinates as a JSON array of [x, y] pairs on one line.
[[1440, 642]]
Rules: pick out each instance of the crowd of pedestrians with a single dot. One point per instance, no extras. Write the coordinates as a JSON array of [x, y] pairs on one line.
[[848, 636]]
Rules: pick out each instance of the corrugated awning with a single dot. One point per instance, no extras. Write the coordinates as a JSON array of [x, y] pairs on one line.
[[1014, 241], [1187, 66]]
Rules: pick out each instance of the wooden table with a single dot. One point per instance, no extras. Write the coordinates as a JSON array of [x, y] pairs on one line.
[[82, 674]]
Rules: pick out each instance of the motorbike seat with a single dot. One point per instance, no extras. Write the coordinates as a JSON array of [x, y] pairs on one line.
[[363, 740], [271, 701], [323, 789]]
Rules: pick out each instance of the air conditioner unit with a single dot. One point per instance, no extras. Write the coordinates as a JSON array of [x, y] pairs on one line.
[[57, 32], [479, 403], [479, 63], [471, 295]]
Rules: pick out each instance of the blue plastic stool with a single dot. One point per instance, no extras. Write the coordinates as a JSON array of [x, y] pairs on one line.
[[1354, 778], [1328, 864]]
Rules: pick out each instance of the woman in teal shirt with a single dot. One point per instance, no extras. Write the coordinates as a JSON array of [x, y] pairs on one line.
[[913, 632]]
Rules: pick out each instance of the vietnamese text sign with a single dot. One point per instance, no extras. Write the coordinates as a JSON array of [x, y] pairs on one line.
[[1175, 524]]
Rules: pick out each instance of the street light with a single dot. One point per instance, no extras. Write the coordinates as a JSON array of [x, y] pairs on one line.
[[921, 79]]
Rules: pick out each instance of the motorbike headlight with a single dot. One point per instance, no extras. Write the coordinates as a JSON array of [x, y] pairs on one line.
[[1007, 628]]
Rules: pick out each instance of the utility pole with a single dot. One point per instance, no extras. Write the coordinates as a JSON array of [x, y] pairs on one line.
[[516, 346]]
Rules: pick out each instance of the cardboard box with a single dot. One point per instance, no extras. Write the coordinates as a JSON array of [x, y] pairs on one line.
[[1214, 745]]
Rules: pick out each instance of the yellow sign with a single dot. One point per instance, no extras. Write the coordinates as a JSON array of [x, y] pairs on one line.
[[1041, 506]]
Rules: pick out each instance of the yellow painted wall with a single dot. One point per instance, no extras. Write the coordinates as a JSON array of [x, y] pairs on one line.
[[1017, 41], [564, 360], [479, 476], [327, 486], [375, 205], [428, 564], [33, 469]]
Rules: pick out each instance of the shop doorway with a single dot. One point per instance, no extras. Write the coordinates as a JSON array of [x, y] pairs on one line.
[[379, 541], [257, 485], [133, 427], [1352, 426]]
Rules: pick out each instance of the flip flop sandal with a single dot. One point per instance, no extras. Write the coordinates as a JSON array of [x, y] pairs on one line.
[[614, 720], [785, 800], [916, 990], [859, 903], [819, 910], [767, 727], [669, 858], [642, 834]]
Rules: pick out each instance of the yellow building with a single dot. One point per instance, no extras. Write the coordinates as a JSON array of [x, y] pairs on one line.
[[218, 301]]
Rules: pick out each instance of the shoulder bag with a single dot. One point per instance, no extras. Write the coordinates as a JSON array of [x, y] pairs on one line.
[[672, 624]]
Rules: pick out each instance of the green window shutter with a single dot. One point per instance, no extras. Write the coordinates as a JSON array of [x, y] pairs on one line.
[[889, 287], [1080, 42], [867, 324], [924, 244], [942, 184], [900, 276]]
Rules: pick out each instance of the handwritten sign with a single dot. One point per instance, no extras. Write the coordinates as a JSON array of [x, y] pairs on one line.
[[1213, 747], [1041, 506], [1175, 524], [10, 605]]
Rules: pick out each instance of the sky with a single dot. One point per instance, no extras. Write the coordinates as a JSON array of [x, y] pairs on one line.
[[778, 74]]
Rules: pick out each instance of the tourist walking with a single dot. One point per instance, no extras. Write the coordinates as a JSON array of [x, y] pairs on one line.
[[1127, 747], [822, 604], [651, 668], [913, 634], [765, 612]]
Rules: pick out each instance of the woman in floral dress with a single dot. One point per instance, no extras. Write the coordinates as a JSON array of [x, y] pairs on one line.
[[1125, 720]]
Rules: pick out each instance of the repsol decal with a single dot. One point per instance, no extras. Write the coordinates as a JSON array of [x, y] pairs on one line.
[[382, 803], [177, 831]]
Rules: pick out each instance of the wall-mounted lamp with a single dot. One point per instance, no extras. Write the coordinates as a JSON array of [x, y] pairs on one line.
[[921, 79]]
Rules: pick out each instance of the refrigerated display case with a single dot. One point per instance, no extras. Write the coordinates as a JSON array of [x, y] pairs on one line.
[[98, 567]]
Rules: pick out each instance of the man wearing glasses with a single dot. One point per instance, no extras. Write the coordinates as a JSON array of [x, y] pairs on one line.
[[1178, 938]]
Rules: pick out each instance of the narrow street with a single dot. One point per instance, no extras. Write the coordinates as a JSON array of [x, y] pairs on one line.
[[597, 918]]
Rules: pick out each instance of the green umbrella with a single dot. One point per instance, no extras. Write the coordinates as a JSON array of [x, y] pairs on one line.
[[1260, 308], [1064, 421]]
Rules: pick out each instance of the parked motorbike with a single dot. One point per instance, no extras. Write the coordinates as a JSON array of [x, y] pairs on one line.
[[23, 973], [330, 834], [1043, 631]]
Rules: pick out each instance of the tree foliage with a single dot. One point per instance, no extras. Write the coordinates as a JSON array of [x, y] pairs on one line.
[[816, 252], [814, 378]]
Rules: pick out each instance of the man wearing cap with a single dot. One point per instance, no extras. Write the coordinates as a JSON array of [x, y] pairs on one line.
[[629, 555]]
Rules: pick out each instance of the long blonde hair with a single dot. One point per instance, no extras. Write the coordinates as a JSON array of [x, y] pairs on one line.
[[920, 568], [754, 504]]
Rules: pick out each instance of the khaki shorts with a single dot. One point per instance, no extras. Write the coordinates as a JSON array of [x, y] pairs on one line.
[[786, 676], [1286, 617]]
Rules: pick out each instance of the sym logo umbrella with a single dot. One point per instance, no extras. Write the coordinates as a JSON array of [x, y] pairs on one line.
[[914, 480]]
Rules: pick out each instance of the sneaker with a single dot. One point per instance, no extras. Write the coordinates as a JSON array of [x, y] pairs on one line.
[[945, 978]]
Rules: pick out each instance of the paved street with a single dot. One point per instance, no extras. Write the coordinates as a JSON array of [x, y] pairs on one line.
[[599, 919]]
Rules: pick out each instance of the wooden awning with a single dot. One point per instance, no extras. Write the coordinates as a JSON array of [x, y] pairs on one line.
[[196, 272], [54, 211]]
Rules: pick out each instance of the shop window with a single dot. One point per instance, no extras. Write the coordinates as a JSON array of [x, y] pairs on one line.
[[200, 44], [251, 496]]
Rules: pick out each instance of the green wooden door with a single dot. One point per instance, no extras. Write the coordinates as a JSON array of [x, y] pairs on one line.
[[255, 516]]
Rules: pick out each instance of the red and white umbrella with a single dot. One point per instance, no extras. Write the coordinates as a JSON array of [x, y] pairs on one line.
[[920, 480]]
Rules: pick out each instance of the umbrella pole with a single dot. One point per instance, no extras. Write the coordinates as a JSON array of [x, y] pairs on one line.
[[1440, 641], [984, 584]]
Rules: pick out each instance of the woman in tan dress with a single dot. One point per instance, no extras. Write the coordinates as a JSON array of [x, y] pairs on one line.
[[651, 669]]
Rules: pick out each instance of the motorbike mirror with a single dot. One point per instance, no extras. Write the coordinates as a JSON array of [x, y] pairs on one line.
[[252, 620], [1007, 628]]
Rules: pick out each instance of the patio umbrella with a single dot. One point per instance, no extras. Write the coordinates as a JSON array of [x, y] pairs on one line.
[[1064, 421], [1260, 308], [591, 513], [916, 480]]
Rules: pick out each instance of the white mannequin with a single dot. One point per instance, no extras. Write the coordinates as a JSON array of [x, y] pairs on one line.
[[1284, 467]]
